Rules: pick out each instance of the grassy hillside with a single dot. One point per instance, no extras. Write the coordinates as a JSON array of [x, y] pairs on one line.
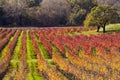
[[111, 28]]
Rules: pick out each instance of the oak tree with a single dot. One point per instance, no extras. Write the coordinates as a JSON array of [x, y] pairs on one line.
[[100, 16]]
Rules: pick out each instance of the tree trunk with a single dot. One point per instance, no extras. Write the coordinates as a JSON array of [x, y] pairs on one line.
[[104, 29], [98, 28]]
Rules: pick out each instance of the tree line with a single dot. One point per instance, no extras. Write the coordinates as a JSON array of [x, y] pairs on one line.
[[49, 12]]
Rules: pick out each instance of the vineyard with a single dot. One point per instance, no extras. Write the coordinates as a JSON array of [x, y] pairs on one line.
[[58, 54]]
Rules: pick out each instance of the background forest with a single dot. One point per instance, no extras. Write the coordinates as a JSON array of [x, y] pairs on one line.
[[50, 12]]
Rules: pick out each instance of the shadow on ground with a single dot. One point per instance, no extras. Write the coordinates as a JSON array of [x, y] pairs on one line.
[[111, 31]]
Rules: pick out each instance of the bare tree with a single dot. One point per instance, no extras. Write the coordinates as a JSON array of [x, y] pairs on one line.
[[53, 12], [114, 3], [14, 8]]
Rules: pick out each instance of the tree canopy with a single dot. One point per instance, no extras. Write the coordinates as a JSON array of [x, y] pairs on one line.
[[100, 16]]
